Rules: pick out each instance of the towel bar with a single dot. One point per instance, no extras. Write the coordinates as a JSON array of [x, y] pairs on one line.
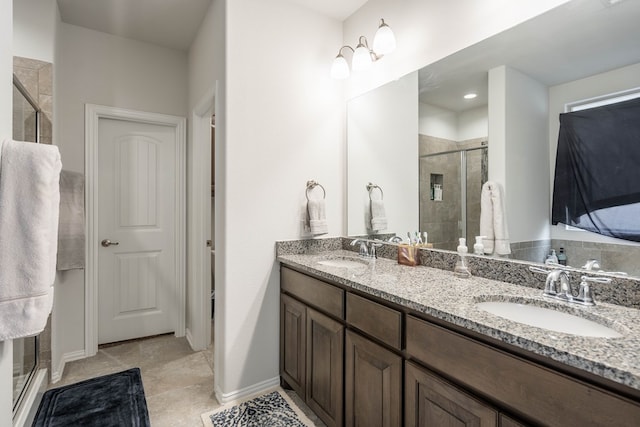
[[371, 187], [313, 184]]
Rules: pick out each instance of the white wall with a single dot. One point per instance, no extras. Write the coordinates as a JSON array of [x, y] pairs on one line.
[[34, 29], [206, 66], [427, 31], [447, 124], [284, 126], [6, 108], [382, 130], [519, 147], [601, 84], [473, 123], [438, 122], [98, 68]]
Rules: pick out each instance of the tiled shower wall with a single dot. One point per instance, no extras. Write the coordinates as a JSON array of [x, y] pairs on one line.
[[37, 77]]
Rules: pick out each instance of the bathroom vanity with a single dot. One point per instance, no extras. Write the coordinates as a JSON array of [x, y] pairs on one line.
[[380, 344]]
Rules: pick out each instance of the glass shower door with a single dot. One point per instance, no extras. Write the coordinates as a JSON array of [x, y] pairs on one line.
[[440, 199]]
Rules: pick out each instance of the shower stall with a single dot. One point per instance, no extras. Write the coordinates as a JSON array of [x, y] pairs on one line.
[[450, 186], [27, 381]]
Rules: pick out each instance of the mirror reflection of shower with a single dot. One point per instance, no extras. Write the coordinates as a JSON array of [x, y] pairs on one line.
[[451, 177]]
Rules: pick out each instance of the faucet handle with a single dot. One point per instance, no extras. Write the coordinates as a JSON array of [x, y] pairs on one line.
[[585, 295], [372, 249]]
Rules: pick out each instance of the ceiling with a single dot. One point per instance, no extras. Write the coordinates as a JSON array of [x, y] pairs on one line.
[[163, 22], [576, 40], [338, 9], [167, 23]]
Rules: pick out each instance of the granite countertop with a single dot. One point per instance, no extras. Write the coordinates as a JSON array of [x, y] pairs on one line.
[[440, 294]]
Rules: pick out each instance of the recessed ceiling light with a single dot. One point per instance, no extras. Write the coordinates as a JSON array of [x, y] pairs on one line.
[[470, 95]]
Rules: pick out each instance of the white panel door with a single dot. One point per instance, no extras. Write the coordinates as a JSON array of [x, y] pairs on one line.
[[137, 191]]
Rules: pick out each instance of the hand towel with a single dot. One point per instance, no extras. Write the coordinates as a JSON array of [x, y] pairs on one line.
[[29, 206], [316, 214], [493, 220], [71, 225], [378, 215]]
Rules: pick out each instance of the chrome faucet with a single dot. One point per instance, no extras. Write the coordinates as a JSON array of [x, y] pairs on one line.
[[395, 239], [591, 264], [367, 247], [564, 292], [364, 252]]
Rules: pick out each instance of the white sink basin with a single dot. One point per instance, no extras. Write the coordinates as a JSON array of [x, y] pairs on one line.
[[549, 319], [343, 263]]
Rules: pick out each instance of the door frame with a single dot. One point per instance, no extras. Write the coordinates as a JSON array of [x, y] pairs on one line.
[[93, 114], [199, 333]]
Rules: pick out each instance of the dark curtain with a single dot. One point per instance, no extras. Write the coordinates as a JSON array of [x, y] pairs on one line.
[[597, 175]]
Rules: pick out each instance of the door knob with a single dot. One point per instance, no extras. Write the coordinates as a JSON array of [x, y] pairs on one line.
[[106, 243]]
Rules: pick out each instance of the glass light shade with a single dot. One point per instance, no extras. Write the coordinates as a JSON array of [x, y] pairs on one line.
[[361, 58], [340, 68], [384, 41]]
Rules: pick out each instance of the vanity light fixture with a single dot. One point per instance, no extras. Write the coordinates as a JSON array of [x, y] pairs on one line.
[[470, 95], [384, 43]]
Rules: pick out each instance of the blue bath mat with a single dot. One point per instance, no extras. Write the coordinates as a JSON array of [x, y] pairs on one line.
[[273, 409], [115, 400]]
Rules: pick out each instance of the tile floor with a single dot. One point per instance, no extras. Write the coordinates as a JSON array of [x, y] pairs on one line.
[[178, 382]]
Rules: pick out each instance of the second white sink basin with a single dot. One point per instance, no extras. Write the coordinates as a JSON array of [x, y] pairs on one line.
[[549, 319]]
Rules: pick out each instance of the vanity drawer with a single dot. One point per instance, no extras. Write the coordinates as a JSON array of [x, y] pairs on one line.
[[375, 320], [539, 393], [317, 293]]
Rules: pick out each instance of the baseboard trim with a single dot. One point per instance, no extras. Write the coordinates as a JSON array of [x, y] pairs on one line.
[[56, 375], [245, 392], [189, 337]]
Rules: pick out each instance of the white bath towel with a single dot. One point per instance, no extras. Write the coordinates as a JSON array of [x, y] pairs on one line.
[[317, 217], [71, 224], [493, 220], [378, 215], [29, 203]]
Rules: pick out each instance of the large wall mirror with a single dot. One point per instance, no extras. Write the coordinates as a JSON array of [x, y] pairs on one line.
[[430, 150]]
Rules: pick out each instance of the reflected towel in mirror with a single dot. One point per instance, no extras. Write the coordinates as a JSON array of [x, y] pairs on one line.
[[493, 220], [378, 215]]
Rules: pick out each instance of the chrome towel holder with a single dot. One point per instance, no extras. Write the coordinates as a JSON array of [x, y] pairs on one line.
[[311, 184], [371, 187]]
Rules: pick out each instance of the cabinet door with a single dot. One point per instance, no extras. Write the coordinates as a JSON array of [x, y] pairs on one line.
[[430, 401], [293, 333], [506, 421], [373, 384], [325, 362]]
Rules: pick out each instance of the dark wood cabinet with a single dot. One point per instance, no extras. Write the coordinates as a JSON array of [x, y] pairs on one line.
[[343, 353], [373, 384], [293, 343], [506, 421], [312, 343], [431, 401], [325, 367]]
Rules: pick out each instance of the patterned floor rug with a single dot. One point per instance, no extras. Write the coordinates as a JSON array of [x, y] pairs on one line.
[[273, 408], [110, 400]]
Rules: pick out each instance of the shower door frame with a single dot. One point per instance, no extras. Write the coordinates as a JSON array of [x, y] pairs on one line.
[[463, 178]]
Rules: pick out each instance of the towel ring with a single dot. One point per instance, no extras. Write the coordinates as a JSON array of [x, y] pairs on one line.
[[371, 187], [313, 184]]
